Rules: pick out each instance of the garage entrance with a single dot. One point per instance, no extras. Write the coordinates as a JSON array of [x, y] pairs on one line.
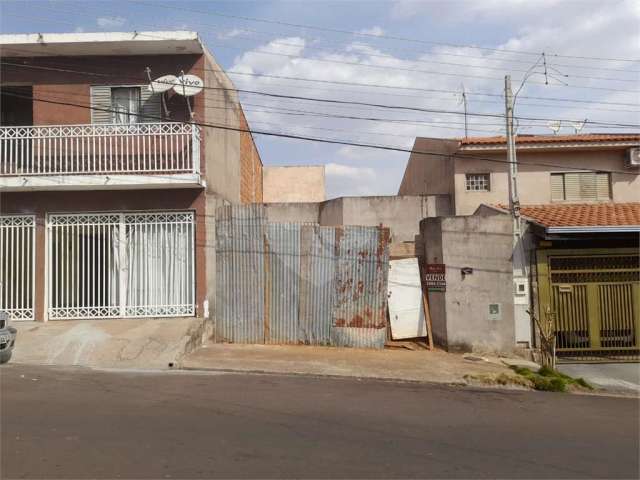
[[594, 299], [121, 264]]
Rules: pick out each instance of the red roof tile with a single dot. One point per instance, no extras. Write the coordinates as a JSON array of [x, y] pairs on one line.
[[587, 138], [583, 214]]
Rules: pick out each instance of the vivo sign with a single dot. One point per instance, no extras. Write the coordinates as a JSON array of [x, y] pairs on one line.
[[185, 85], [188, 85]]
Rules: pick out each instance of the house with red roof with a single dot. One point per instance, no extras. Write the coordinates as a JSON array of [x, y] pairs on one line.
[[576, 262]]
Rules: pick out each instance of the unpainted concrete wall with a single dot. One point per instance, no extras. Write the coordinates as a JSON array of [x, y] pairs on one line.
[[401, 214], [293, 212], [460, 315]]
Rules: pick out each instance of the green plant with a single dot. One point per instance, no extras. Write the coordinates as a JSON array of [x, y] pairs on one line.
[[550, 380]]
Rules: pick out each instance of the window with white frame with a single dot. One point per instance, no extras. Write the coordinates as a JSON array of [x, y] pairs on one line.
[[477, 182], [125, 104]]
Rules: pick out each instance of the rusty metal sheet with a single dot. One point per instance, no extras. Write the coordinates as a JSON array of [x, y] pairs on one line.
[[299, 283], [361, 277]]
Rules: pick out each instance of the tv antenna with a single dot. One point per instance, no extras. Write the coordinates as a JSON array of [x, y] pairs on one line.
[[463, 100]]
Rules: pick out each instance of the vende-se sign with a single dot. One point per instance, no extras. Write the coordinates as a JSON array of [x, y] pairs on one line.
[[435, 277]]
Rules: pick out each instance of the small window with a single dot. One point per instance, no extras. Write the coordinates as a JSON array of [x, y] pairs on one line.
[[477, 182], [580, 186], [125, 104]]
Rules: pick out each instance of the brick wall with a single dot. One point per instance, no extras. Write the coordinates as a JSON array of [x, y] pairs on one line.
[[61, 79], [250, 167]]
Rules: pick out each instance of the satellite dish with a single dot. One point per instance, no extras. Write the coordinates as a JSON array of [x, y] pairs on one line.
[[578, 126], [163, 84], [555, 126], [188, 85]]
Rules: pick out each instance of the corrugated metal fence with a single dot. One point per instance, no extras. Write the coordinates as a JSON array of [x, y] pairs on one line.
[[299, 283]]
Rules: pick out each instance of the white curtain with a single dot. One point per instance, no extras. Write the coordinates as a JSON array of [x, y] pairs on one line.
[[125, 103], [160, 266], [114, 267]]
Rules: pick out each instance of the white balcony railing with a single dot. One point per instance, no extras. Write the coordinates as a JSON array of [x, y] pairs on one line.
[[143, 148]]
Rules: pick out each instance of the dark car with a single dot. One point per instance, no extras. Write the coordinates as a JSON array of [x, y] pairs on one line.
[[7, 338]]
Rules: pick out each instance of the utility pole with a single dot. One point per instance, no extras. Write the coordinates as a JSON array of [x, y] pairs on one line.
[[514, 202]]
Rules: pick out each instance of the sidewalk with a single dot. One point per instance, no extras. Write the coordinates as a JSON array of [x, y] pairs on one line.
[[434, 366], [152, 343]]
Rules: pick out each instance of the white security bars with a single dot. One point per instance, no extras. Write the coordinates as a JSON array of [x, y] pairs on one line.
[[121, 265], [17, 266], [100, 149]]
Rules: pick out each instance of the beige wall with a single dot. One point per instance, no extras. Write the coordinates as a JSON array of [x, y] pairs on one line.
[[293, 184], [445, 174], [534, 182], [221, 147]]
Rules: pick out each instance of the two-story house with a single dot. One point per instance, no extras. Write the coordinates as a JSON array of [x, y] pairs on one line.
[[577, 259], [108, 186], [551, 169]]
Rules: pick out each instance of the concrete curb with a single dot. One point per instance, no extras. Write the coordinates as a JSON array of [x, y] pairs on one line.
[[462, 383]]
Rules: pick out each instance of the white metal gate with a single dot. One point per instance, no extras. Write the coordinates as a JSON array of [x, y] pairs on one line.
[[121, 265], [17, 265]]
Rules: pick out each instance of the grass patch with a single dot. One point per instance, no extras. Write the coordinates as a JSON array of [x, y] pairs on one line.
[[549, 380], [502, 379]]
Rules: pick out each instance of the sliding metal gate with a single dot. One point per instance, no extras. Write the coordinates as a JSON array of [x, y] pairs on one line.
[[594, 297], [121, 265], [17, 265]]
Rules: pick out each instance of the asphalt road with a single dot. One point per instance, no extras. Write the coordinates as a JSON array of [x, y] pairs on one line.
[[71, 423]]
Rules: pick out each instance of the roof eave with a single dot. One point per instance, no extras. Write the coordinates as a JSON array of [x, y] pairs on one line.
[[497, 147], [595, 229]]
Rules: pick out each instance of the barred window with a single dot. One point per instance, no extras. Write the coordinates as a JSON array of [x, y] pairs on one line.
[[477, 182]]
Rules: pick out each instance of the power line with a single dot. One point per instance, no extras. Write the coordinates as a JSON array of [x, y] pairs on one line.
[[343, 102], [368, 35], [378, 55], [321, 140], [441, 124], [385, 68], [368, 85]]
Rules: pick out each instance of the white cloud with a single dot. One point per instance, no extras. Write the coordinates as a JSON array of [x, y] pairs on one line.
[[376, 31], [110, 22], [229, 34], [599, 30], [78, 29], [346, 171]]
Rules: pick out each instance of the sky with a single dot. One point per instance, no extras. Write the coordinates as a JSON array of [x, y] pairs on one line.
[[419, 55]]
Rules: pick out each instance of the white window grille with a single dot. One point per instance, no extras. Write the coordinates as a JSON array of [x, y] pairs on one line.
[[17, 266], [121, 265], [477, 182]]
